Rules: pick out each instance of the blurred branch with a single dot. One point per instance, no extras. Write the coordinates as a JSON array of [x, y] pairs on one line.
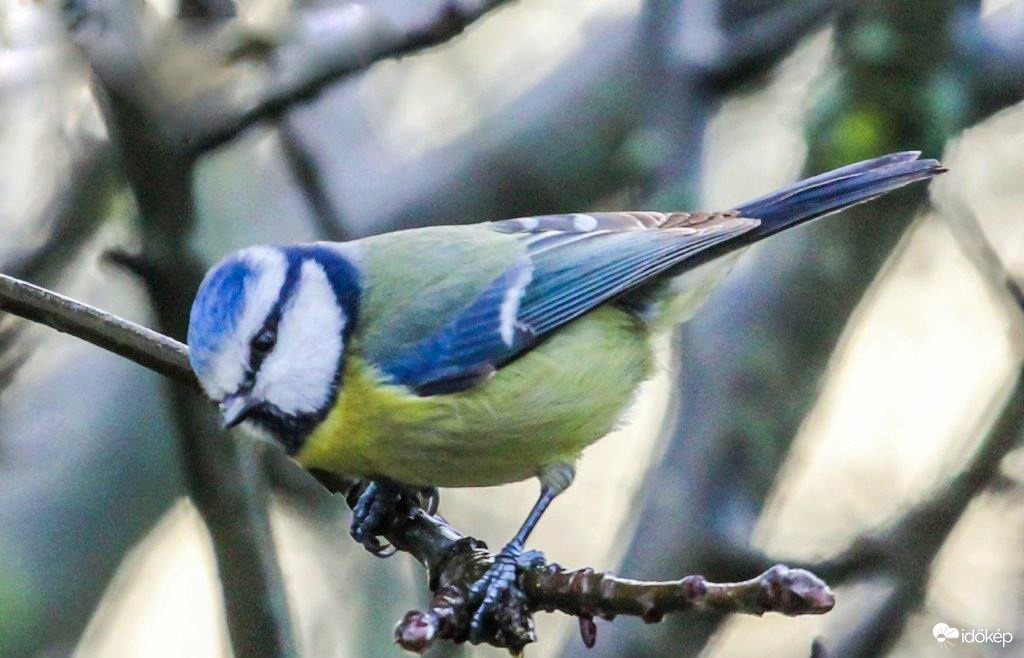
[[904, 550], [697, 53], [732, 420], [909, 543], [299, 158], [1003, 34], [530, 157], [357, 37], [224, 498], [901, 552], [10, 360], [993, 46], [238, 78], [311, 182], [220, 476], [203, 9], [71, 214], [681, 102], [137, 64], [970, 236], [160, 121], [453, 560], [720, 47], [68, 218]]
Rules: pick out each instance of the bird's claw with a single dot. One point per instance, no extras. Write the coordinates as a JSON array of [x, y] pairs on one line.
[[498, 585], [378, 505], [371, 515]]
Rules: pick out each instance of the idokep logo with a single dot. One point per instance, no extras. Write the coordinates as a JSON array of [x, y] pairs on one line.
[[948, 636], [944, 634]]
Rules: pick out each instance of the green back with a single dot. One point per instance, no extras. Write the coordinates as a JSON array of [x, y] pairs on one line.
[[416, 281]]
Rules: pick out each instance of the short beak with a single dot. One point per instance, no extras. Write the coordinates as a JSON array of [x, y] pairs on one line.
[[235, 408]]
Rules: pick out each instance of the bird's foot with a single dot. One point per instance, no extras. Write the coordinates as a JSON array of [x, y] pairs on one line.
[[373, 513], [498, 585], [378, 505]]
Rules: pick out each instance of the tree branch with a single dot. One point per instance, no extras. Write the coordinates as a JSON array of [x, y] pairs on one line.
[[353, 40], [453, 561], [237, 78], [585, 593], [146, 347], [721, 47]]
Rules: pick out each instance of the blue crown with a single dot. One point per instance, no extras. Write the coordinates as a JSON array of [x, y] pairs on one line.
[[216, 310]]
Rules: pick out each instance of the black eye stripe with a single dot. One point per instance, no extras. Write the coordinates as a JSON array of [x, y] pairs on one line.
[[264, 340]]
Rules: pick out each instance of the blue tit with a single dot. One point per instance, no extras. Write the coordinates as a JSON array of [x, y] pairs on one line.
[[476, 355]]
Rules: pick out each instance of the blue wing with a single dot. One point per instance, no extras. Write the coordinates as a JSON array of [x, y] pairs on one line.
[[572, 263]]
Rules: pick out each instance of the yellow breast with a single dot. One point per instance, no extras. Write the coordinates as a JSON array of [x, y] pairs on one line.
[[544, 407]]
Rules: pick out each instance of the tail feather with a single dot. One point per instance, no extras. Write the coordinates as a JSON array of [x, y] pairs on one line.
[[834, 191], [676, 296]]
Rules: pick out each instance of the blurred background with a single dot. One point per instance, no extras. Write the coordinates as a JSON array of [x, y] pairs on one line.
[[850, 399]]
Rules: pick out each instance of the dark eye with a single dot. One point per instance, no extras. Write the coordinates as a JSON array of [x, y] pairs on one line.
[[264, 341]]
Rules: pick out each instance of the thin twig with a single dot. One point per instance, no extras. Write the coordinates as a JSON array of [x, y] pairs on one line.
[[780, 589], [144, 346], [585, 593]]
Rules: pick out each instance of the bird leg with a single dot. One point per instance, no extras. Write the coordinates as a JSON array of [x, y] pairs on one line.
[[500, 580]]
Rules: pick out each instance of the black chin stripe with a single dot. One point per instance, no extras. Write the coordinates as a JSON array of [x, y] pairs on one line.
[[290, 430], [291, 281]]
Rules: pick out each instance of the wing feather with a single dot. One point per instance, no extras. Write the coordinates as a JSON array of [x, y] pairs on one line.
[[571, 264]]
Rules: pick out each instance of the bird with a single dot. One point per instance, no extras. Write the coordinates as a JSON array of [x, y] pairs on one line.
[[480, 354]]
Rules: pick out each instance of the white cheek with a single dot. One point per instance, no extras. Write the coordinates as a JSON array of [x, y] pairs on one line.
[[298, 374], [230, 364], [226, 372]]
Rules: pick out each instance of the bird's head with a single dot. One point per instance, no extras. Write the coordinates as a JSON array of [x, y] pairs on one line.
[[267, 335]]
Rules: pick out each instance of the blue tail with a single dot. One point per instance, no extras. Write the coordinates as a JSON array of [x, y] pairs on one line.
[[835, 190]]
